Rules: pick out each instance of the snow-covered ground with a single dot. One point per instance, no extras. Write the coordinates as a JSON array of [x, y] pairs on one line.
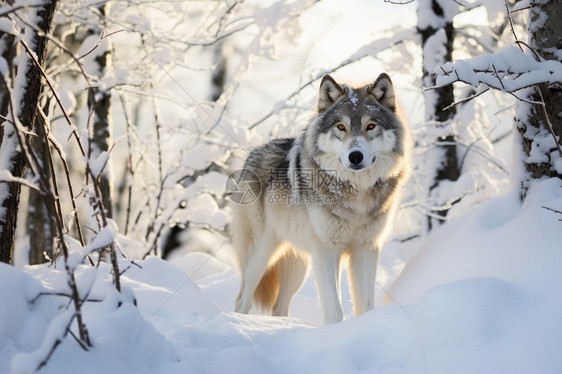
[[483, 295]]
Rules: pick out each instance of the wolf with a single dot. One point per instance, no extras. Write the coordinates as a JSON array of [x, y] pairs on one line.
[[327, 197]]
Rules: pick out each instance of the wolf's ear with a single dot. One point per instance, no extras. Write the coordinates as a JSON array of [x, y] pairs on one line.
[[383, 91], [329, 93]]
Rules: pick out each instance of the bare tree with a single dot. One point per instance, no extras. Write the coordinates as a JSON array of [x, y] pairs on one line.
[[99, 104], [39, 221], [26, 90]]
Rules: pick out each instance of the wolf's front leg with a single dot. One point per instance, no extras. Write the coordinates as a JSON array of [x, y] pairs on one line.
[[326, 264], [362, 271]]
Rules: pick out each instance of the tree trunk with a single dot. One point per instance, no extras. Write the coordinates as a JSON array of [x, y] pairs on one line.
[[538, 125], [99, 103], [218, 80], [437, 44], [39, 222], [8, 51], [26, 91]]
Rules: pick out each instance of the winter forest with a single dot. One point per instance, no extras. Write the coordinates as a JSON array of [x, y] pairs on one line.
[[121, 122]]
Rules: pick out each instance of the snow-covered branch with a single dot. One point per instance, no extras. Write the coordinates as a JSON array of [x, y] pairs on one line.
[[507, 70]]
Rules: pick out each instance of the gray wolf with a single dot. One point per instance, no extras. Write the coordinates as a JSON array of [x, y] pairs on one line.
[[327, 196]]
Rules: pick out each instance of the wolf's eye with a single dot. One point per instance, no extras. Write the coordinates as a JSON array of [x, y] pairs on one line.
[[371, 125], [341, 127]]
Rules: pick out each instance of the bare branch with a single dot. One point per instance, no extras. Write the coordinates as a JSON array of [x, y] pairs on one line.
[[55, 94], [547, 120], [365, 51], [20, 7], [537, 57], [552, 210], [462, 101], [511, 22], [7, 177]]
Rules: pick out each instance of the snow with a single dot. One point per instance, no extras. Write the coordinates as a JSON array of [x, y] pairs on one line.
[[104, 237], [497, 239], [98, 164], [351, 95], [7, 26], [482, 295], [515, 70]]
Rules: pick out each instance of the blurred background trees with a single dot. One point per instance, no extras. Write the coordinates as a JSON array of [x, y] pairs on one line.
[[146, 107]]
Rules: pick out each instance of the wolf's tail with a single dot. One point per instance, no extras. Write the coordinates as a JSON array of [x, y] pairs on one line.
[[266, 293], [280, 282]]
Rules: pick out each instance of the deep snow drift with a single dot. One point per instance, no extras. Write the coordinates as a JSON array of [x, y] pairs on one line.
[[483, 295]]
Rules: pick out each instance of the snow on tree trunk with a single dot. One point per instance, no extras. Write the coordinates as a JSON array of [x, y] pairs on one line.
[[99, 104], [541, 154], [26, 97], [8, 52], [435, 24]]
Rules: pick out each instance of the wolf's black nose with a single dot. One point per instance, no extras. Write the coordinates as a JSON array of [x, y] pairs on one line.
[[355, 157]]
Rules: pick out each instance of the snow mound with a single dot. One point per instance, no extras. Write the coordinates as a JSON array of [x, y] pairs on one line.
[[24, 315], [121, 336], [501, 238]]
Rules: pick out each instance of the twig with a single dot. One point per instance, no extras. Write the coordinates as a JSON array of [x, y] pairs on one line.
[[130, 167], [498, 76], [511, 23], [466, 99], [51, 351], [547, 120], [60, 152], [55, 94], [61, 294], [102, 37], [519, 42], [78, 341], [18, 7], [552, 210], [59, 45], [397, 39]]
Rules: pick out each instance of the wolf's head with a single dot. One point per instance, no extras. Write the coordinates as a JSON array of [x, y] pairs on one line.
[[358, 129]]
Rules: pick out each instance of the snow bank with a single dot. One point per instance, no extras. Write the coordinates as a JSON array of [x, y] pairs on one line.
[[482, 296], [503, 239], [123, 340]]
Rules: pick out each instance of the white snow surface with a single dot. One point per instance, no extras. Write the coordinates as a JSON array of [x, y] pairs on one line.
[[481, 296]]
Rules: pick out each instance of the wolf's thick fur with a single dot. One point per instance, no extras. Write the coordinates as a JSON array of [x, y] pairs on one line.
[[326, 196]]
